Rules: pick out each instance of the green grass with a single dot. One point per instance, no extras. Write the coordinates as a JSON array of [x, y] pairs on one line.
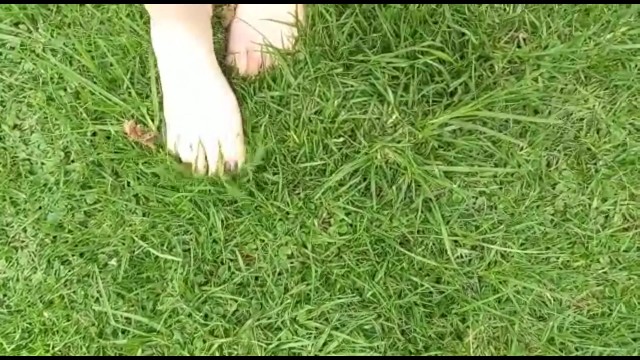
[[423, 179]]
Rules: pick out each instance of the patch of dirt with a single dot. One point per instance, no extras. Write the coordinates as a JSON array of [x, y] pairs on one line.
[[228, 12]]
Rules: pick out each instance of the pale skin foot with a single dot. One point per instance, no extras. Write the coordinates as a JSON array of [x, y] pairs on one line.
[[203, 120], [254, 28]]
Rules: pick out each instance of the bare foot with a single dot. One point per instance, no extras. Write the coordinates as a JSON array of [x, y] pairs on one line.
[[257, 25], [203, 120]]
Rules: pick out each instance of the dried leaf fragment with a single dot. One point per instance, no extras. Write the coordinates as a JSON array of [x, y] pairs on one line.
[[138, 133]]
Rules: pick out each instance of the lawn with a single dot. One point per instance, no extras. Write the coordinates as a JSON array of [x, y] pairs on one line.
[[422, 179]]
